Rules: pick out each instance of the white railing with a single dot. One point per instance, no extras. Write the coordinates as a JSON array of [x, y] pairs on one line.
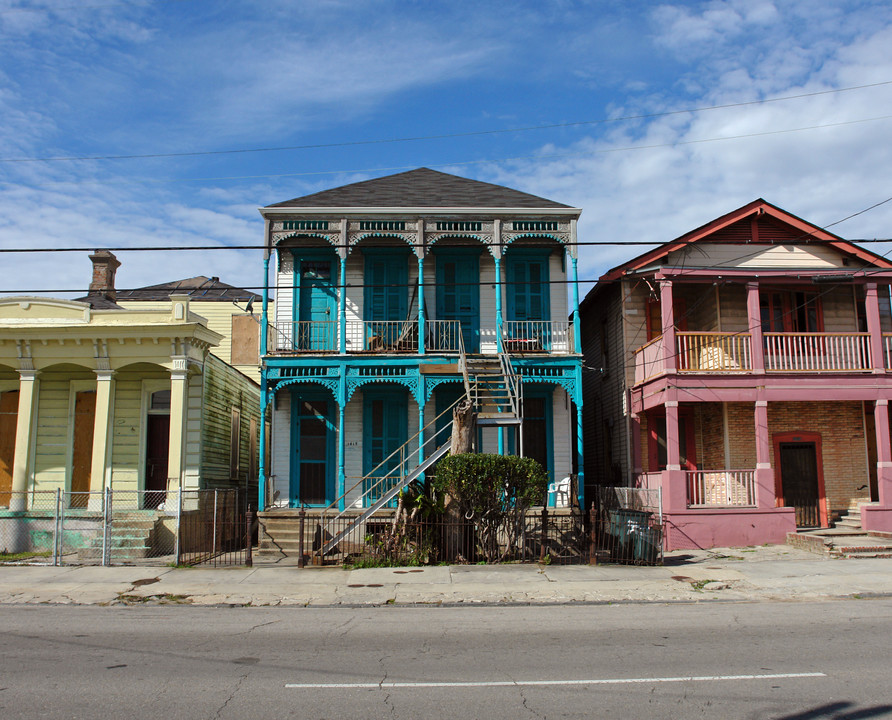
[[442, 336], [537, 336], [304, 336], [384, 336], [721, 488], [887, 350], [713, 352], [649, 360], [817, 352]]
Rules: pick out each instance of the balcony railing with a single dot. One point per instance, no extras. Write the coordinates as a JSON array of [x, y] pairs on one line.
[[721, 488], [817, 352], [887, 350], [537, 336], [442, 336], [309, 336], [713, 352], [698, 352], [383, 336]]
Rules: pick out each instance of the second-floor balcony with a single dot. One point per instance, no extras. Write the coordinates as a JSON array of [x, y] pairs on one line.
[[724, 352], [402, 337]]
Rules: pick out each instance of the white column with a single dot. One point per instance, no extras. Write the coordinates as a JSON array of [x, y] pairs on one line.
[[178, 399], [103, 427], [25, 421]]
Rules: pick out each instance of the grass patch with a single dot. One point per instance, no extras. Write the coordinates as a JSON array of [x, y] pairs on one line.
[[698, 585], [28, 555]]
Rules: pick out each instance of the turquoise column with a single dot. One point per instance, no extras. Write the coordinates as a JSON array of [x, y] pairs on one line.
[[342, 440], [421, 306], [264, 320], [580, 471], [421, 435], [577, 331], [342, 308], [501, 432]]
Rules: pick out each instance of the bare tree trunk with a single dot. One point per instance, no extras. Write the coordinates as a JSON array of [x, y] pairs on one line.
[[464, 427], [464, 430]]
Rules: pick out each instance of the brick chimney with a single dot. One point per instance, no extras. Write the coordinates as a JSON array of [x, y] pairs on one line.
[[104, 266]]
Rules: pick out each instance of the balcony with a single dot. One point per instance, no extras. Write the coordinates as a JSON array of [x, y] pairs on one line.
[[401, 337], [724, 353]]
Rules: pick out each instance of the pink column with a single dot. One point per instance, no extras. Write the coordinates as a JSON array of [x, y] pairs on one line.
[[884, 452], [667, 314], [675, 491], [765, 491], [872, 310], [754, 313], [635, 446]]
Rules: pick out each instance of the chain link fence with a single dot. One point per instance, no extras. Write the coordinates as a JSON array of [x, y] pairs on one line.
[[127, 527]]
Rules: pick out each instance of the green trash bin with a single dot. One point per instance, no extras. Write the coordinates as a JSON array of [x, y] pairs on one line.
[[646, 545]]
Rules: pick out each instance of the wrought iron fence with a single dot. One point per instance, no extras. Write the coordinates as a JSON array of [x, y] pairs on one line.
[[122, 527], [626, 526]]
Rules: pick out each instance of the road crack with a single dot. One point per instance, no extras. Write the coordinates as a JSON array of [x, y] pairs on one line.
[[237, 687]]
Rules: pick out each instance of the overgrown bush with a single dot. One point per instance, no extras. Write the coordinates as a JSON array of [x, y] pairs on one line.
[[494, 493]]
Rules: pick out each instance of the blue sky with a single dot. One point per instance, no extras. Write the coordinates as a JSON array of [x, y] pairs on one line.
[[156, 77]]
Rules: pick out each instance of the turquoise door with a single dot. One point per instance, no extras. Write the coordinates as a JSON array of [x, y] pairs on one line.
[[312, 449], [458, 294], [385, 298], [528, 293], [316, 306], [385, 430]]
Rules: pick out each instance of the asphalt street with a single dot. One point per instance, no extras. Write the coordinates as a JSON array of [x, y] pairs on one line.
[[721, 660]]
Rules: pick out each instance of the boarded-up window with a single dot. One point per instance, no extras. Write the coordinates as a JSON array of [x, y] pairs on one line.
[[234, 434], [245, 340]]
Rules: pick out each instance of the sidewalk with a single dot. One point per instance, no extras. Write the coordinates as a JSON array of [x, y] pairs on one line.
[[776, 572]]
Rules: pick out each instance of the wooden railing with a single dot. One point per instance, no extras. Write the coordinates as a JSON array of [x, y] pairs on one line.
[[304, 336], [721, 488], [537, 336], [384, 336], [713, 352], [817, 352], [649, 360], [442, 335]]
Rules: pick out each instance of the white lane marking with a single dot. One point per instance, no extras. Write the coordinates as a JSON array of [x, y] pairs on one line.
[[513, 683]]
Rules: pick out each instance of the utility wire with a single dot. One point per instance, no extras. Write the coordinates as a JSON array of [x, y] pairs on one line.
[[444, 136]]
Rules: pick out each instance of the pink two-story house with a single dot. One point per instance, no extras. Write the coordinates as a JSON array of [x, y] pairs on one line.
[[745, 369]]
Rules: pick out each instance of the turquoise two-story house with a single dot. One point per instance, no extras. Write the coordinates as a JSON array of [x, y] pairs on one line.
[[396, 297]]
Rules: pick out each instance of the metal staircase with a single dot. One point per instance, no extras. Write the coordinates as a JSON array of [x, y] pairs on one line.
[[494, 388]]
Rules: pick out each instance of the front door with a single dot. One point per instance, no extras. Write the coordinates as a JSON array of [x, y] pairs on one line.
[[385, 430], [528, 292], [82, 452], [312, 468], [799, 481], [157, 449], [458, 294], [316, 306], [9, 411]]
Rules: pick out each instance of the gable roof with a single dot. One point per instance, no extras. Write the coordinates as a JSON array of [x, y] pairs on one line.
[[197, 288], [422, 187], [758, 222]]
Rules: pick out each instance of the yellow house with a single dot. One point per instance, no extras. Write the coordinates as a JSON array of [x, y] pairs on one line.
[[95, 396]]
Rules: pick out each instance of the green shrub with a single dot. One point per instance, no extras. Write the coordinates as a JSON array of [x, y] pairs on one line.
[[493, 492]]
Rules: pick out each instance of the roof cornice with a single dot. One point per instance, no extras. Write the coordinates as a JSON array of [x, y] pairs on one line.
[[414, 211]]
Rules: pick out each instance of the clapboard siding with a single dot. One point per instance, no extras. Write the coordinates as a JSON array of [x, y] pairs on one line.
[[224, 389], [752, 256]]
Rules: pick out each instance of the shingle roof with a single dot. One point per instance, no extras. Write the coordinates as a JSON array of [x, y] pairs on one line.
[[421, 188], [197, 288], [99, 302]]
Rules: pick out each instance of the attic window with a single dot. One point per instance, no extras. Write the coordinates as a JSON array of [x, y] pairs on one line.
[[382, 225], [527, 225], [460, 226], [305, 225]]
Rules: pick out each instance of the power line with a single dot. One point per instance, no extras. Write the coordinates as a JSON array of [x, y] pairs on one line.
[[444, 136]]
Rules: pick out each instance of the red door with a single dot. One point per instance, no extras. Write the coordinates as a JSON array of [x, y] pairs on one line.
[[9, 410]]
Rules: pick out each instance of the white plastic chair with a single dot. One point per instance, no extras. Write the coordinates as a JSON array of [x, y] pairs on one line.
[[561, 491]]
